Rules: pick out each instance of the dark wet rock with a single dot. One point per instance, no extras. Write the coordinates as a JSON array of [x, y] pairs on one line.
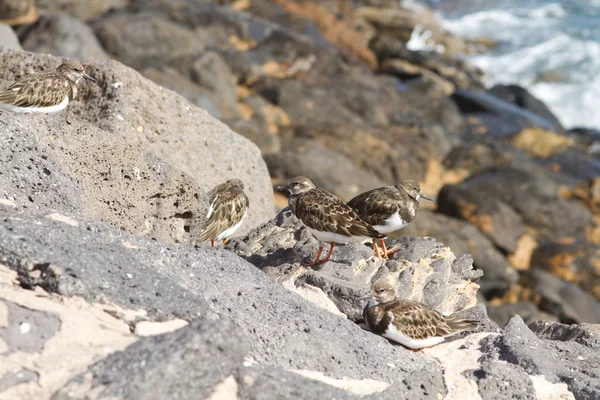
[[187, 363], [469, 101], [8, 38], [463, 238], [495, 126], [519, 96], [585, 334], [588, 138], [147, 39], [570, 303], [519, 346], [81, 10], [16, 12], [497, 220], [170, 78], [534, 195], [477, 156], [418, 78], [314, 105], [452, 69], [371, 149], [328, 169], [588, 192], [574, 163], [528, 311], [62, 35], [424, 269], [211, 71], [574, 261]]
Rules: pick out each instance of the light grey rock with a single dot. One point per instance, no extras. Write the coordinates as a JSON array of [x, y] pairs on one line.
[[464, 238], [62, 35], [16, 378], [101, 263], [119, 141], [518, 345], [184, 364], [8, 38], [265, 383], [585, 334], [27, 330], [497, 380], [423, 269]]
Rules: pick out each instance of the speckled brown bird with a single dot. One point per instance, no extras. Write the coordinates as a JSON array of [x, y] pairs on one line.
[[389, 208], [326, 216], [46, 92], [228, 207], [408, 322]]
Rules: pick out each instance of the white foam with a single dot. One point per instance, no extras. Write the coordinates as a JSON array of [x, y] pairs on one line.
[[542, 50], [420, 40]]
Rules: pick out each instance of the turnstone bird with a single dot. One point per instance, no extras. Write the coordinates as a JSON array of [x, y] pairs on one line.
[[326, 216], [226, 213], [410, 323], [389, 208], [46, 92]]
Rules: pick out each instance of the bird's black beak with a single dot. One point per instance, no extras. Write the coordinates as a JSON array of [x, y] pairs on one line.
[[423, 195], [89, 78], [282, 188]]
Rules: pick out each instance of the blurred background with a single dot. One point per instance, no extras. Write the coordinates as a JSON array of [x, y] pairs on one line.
[[489, 104]]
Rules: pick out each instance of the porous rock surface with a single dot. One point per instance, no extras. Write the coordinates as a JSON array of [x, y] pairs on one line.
[[114, 151], [173, 320], [424, 269]]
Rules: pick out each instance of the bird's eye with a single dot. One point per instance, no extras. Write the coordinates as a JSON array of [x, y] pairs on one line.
[[380, 290]]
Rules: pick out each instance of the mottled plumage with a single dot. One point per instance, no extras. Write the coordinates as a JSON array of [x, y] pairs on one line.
[[44, 92], [228, 207], [389, 208], [408, 322], [326, 216]]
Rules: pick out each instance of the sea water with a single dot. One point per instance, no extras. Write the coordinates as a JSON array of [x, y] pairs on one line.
[[552, 48]]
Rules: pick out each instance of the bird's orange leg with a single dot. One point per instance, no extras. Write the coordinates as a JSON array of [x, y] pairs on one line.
[[224, 241], [330, 253], [316, 261], [376, 248], [212, 243], [390, 251]]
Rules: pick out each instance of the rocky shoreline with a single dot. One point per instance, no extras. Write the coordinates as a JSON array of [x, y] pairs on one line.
[[102, 294]]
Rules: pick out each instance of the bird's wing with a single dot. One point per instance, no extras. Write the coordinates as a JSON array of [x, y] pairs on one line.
[[228, 206], [326, 212], [42, 90], [375, 206], [417, 320]]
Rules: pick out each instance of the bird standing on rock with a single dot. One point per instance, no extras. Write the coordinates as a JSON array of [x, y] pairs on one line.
[[389, 208], [408, 322], [228, 207], [46, 92], [326, 216]]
